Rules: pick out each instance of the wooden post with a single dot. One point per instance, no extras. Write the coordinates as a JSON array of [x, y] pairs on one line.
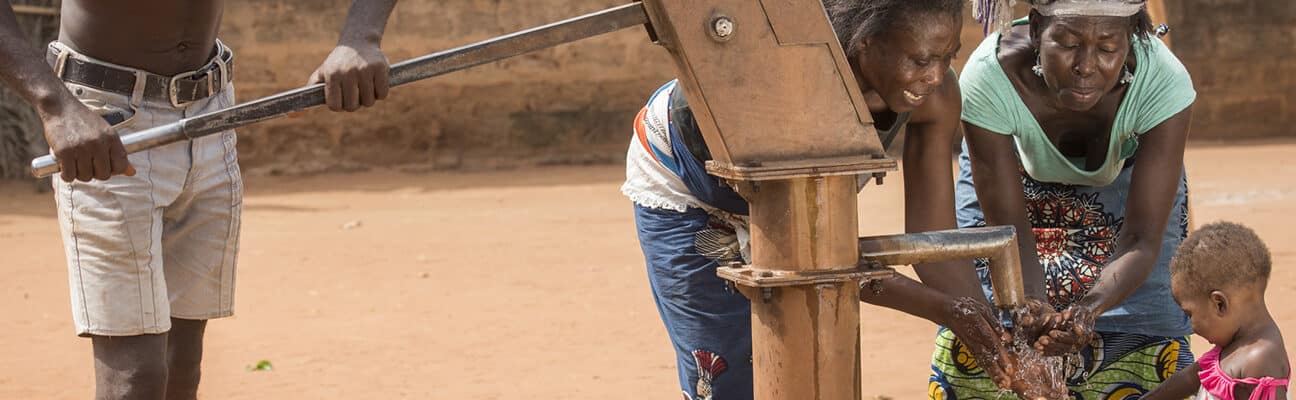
[[805, 338], [784, 119]]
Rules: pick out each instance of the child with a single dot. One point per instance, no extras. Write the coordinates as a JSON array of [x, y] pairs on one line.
[[1218, 277]]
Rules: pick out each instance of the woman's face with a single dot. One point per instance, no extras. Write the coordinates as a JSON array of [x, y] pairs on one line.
[[908, 63], [1082, 57]]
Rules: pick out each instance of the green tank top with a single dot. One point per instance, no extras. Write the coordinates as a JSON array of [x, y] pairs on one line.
[[1161, 89]]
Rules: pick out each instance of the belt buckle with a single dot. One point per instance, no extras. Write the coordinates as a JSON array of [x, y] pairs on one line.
[[173, 94], [60, 61]]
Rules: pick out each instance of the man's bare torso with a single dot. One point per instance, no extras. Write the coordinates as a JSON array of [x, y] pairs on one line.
[[165, 37]]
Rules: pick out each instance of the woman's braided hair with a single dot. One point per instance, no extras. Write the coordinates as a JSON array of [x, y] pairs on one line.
[[857, 20]]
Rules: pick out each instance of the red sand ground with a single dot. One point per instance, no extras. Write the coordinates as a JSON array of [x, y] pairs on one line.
[[519, 284]]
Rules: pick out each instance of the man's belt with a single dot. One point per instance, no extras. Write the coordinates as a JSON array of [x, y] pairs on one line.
[[179, 90]]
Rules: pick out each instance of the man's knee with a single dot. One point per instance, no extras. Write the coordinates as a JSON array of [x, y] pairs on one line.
[[124, 353], [185, 347], [185, 340], [130, 366]]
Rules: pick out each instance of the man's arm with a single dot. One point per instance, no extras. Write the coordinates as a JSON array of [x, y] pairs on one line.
[[355, 73], [85, 145]]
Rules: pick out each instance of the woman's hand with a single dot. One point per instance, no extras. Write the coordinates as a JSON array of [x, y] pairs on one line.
[[1073, 331], [1034, 319], [1033, 376], [1034, 379], [1055, 333], [975, 324]]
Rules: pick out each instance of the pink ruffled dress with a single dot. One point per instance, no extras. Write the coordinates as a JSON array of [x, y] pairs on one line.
[[1216, 385]]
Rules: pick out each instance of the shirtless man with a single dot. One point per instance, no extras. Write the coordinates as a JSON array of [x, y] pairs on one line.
[[152, 238]]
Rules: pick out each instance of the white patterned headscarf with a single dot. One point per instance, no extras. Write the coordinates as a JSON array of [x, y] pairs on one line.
[[998, 13], [1094, 8]]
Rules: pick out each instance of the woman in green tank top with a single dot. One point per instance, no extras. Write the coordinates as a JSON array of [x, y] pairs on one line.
[[1056, 109]]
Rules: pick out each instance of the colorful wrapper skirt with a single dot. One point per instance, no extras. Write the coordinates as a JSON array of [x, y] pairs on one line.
[[1118, 366]]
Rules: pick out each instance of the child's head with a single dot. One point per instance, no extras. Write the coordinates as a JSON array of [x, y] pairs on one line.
[[1218, 275]]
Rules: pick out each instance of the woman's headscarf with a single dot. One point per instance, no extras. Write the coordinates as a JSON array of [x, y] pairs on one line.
[[998, 13]]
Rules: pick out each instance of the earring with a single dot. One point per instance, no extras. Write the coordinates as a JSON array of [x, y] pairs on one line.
[[1126, 76], [1038, 69]]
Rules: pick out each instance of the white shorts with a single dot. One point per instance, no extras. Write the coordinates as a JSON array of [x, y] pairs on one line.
[[161, 244]]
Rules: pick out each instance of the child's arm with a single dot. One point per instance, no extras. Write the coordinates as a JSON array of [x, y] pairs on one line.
[[1181, 385]]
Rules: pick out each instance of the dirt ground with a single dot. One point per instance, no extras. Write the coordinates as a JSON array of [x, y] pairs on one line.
[[502, 285]]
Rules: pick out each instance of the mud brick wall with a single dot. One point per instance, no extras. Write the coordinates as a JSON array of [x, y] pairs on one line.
[[569, 104], [573, 103], [1242, 57]]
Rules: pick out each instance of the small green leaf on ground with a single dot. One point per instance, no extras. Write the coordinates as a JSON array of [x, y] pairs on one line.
[[263, 365]]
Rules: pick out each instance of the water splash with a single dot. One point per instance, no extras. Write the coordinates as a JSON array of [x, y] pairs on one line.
[[1034, 368]]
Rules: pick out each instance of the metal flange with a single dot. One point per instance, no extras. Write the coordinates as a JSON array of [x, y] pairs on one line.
[[775, 170], [749, 276]]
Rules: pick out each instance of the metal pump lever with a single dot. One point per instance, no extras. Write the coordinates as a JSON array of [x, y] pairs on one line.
[[416, 69]]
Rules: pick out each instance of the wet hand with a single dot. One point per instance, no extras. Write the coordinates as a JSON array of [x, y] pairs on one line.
[[85, 145], [1036, 318], [353, 76], [1034, 376], [975, 324], [1035, 381], [1072, 332]]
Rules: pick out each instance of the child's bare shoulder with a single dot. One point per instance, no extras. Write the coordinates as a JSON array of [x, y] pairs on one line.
[[1264, 358]]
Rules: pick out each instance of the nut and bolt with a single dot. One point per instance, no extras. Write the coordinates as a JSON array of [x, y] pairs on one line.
[[723, 27]]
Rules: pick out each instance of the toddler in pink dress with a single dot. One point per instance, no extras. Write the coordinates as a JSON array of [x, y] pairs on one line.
[[1219, 277]]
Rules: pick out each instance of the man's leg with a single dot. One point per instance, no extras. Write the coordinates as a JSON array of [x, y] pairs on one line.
[[130, 367], [119, 295], [200, 245], [184, 347], [150, 366]]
